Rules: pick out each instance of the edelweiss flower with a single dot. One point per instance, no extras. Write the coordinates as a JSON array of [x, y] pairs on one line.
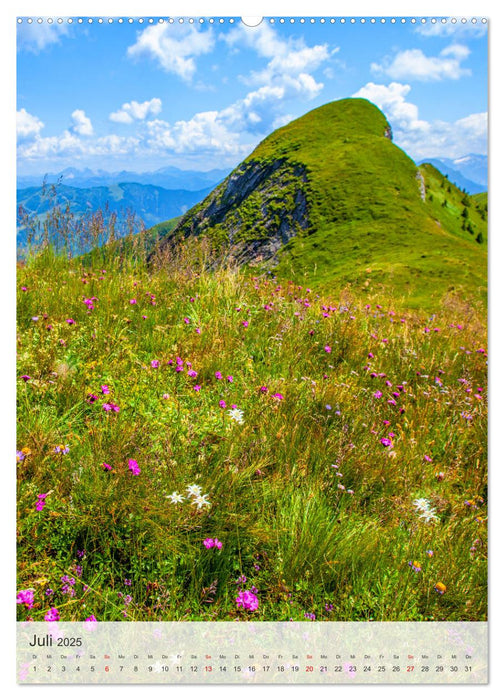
[[175, 497], [421, 503], [201, 501], [236, 414], [194, 490]]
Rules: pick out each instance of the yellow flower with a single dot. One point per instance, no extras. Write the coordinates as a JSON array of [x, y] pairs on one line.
[[440, 588]]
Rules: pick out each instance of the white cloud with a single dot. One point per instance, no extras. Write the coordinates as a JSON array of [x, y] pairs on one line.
[[35, 37], [81, 124], [136, 110], [174, 47], [423, 139], [413, 64], [27, 125], [466, 30]]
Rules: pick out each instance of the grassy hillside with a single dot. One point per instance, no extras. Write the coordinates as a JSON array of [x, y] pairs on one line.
[[330, 199]]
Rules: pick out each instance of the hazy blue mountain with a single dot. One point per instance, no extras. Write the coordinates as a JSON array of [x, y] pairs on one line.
[[467, 172], [169, 178], [149, 203]]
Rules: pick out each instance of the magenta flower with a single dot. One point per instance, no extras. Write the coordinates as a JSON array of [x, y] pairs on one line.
[[52, 615], [90, 623], [427, 458], [91, 398], [154, 364], [133, 467], [230, 378], [222, 403], [209, 543], [111, 407], [187, 320], [277, 396], [192, 373], [197, 387], [245, 324], [386, 442], [247, 600], [25, 597], [377, 394], [133, 301], [327, 348], [25, 377], [218, 375], [70, 321], [104, 389], [106, 466], [263, 389]]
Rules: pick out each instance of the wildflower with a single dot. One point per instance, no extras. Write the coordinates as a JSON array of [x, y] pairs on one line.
[[90, 623], [20, 456], [106, 466], [187, 320], [264, 389], [133, 467], [70, 321], [236, 414], [415, 565], [427, 458], [247, 600], [110, 406], [327, 348], [133, 301], [35, 318], [25, 597], [193, 490], [154, 364], [62, 449], [222, 403], [230, 378], [201, 501], [428, 515], [192, 373], [421, 504], [175, 497], [105, 389], [91, 398], [386, 442], [377, 394], [197, 387], [127, 582], [41, 501], [52, 615], [241, 579], [440, 588], [245, 324], [310, 616], [25, 377], [210, 543], [430, 553], [218, 375], [277, 396]]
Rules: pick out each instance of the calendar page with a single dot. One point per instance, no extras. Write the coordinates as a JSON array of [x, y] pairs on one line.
[[252, 349]]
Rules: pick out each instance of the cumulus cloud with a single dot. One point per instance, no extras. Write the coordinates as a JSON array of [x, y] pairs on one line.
[[35, 37], [27, 125], [174, 47], [457, 29], [420, 138], [131, 111], [413, 64], [81, 124]]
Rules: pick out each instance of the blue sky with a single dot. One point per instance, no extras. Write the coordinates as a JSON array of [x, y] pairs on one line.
[[145, 96]]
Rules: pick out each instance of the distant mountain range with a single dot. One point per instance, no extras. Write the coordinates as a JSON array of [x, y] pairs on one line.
[[468, 172], [149, 203], [169, 178]]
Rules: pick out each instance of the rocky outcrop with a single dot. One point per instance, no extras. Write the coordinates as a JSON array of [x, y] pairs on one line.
[[253, 212]]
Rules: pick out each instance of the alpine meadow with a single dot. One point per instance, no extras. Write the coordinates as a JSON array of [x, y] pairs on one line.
[[272, 406]]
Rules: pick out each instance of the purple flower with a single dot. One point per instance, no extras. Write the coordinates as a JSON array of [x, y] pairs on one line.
[[52, 615], [427, 458], [90, 623], [25, 597], [230, 378], [91, 398], [133, 301], [247, 600], [111, 407], [327, 348], [70, 321], [192, 373], [377, 394], [106, 466], [155, 364], [104, 389], [133, 467], [277, 396], [25, 377], [218, 375], [222, 403], [197, 387], [386, 442]]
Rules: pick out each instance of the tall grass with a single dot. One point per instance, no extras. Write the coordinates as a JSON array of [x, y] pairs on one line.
[[316, 426]]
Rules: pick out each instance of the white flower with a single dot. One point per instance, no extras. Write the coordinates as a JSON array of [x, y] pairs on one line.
[[236, 415], [428, 515], [194, 490], [421, 504], [201, 501], [175, 497]]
